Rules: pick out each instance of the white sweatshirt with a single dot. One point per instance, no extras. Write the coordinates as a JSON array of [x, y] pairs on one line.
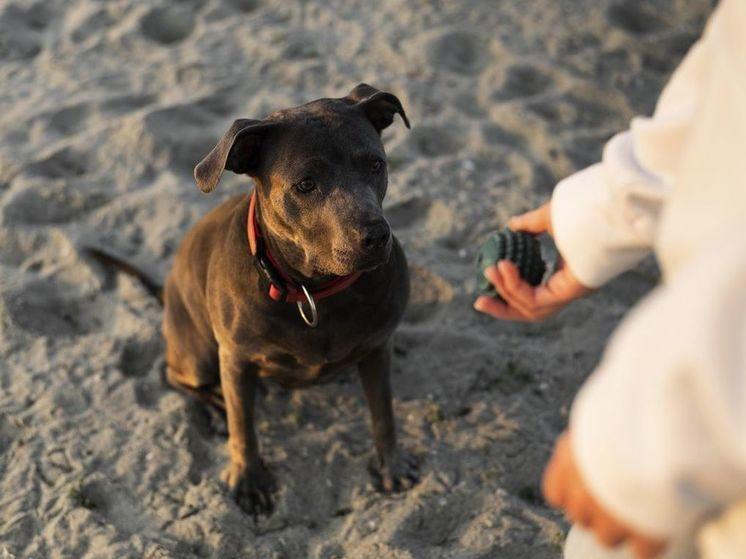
[[659, 430]]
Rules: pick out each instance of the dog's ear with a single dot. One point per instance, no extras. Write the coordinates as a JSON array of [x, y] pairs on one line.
[[236, 151], [378, 106]]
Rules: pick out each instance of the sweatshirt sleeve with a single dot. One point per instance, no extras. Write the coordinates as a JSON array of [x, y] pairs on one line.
[[659, 430], [604, 218]]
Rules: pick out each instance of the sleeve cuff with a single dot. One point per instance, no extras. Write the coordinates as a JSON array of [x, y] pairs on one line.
[[587, 234]]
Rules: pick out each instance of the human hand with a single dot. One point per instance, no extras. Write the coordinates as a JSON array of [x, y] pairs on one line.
[[565, 489], [522, 301]]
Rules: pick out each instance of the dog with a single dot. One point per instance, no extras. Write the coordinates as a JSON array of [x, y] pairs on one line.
[[294, 281]]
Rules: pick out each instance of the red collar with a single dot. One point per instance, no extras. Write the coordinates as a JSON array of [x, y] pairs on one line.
[[281, 286]]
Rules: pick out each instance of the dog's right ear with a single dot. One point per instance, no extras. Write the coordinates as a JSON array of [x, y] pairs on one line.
[[236, 151], [379, 107]]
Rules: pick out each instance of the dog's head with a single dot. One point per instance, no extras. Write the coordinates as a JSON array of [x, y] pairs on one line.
[[321, 176]]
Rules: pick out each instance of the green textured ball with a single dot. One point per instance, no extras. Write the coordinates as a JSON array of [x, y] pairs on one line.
[[520, 248]]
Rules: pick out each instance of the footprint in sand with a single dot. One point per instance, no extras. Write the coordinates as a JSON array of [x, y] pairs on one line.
[[429, 294], [662, 56], [300, 46], [575, 111], [167, 25], [148, 392], [585, 150], [10, 430], [434, 217], [87, 21], [67, 121], [461, 52], [117, 106], [208, 422], [523, 81], [20, 29], [138, 356], [113, 502], [407, 212], [229, 9], [434, 141], [634, 17], [222, 103], [15, 45], [34, 250], [244, 6], [49, 309], [61, 164], [51, 203], [495, 134], [201, 460], [181, 134]]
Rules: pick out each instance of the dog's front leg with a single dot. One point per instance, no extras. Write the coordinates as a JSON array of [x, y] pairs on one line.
[[250, 482], [398, 470]]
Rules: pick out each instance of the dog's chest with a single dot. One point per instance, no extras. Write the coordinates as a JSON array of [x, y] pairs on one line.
[[290, 361], [289, 351]]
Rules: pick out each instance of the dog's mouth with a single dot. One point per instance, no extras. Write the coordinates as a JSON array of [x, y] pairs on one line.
[[362, 261], [371, 263]]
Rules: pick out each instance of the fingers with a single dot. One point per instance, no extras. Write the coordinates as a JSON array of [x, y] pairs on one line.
[[519, 292], [576, 506], [553, 482], [496, 308], [516, 293], [645, 548], [552, 489], [565, 489], [523, 302], [609, 533], [519, 295], [536, 221], [561, 287]]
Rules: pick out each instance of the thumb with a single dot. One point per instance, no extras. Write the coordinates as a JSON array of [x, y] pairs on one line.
[[645, 548], [561, 288], [536, 221]]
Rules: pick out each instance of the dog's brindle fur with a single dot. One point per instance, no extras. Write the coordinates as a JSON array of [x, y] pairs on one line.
[[223, 332]]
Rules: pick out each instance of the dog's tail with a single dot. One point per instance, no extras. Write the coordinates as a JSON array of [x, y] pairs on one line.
[[108, 259]]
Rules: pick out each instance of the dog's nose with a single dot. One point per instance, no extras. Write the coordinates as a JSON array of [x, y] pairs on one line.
[[376, 235]]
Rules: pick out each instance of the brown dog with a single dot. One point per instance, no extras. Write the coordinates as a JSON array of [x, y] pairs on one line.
[[295, 281]]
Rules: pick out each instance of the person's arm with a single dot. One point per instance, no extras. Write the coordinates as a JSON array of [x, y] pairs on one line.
[[659, 431], [604, 218]]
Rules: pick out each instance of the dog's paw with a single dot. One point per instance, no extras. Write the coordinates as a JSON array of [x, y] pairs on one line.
[[400, 473], [252, 488]]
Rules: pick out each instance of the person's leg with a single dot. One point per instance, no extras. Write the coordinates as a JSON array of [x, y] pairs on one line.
[[582, 544], [725, 537]]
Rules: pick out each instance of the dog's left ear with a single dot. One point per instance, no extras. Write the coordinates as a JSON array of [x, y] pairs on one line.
[[378, 106], [236, 151]]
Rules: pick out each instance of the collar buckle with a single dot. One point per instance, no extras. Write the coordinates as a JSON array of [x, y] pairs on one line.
[[271, 274]]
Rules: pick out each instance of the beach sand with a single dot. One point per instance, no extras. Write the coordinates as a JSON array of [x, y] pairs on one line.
[[105, 107]]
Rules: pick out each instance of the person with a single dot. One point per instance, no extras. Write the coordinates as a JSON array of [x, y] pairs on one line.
[[655, 453]]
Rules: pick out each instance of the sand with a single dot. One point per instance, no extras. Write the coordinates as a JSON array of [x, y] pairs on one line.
[[105, 107]]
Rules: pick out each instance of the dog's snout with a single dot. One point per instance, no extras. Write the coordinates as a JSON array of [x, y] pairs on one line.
[[376, 235]]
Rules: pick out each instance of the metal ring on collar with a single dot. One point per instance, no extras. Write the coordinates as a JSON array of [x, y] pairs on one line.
[[314, 320]]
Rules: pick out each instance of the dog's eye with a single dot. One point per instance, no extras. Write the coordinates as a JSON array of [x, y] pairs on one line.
[[306, 185], [378, 165]]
